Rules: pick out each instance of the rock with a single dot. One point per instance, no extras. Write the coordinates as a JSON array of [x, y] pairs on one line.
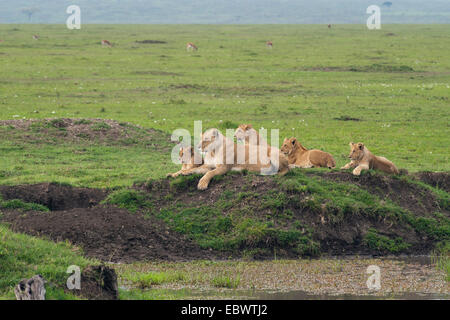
[[31, 289]]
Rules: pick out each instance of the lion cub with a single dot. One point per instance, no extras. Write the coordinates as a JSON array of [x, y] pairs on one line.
[[363, 159], [300, 157], [187, 161]]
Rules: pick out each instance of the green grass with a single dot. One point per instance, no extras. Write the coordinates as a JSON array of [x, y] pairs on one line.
[[128, 199], [382, 243], [226, 281], [17, 204], [309, 85], [23, 256], [441, 258], [146, 280], [326, 87]]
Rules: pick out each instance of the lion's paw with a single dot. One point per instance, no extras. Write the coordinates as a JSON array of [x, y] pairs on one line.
[[202, 185]]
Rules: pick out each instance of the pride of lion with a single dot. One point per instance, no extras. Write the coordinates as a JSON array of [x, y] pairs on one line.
[[222, 154]]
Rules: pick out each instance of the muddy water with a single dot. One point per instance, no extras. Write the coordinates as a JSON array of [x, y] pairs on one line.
[[411, 278]]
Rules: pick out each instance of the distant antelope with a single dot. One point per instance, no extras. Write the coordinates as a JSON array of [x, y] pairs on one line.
[[191, 46], [269, 44], [329, 26], [35, 36], [106, 43]]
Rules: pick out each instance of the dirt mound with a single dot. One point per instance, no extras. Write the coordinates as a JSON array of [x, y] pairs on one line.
[[107, 233], [54, 196], [439, 180], [346, 222], [407, 195], [86, 130], [295, 215]]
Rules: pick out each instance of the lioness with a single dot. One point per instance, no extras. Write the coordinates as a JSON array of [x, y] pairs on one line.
[[223, 155], [187, 160], [300, 157], [363, 159], [246, 133]]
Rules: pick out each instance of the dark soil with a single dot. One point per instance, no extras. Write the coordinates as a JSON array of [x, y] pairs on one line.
[[98, 283], [439, 180], [150, 41], [108, 233], [54, 196], [347, 118]]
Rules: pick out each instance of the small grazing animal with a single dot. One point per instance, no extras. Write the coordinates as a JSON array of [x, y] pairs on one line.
[[106, 43], [269, 44], [191, 46], [363, 159], [329, 26], [35, 36], [300, 157]]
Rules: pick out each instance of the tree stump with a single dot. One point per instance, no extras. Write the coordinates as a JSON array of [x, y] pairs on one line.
[[30, 289]]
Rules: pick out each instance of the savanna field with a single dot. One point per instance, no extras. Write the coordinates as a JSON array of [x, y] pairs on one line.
[[81, 115]]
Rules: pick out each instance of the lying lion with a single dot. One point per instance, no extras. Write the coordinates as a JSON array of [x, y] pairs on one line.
[[246, 133], [363, 159], [300, 157], [187, 160], [223, 155]]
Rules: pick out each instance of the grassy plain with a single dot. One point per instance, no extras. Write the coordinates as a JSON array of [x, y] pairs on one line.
[[396, 81], [388, 88]]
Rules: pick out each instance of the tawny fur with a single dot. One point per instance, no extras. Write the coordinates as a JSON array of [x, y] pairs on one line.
[[187, 161], [300, 157], [363, 159], [191, 46], [222, 155], [246, 133], [106, 43]]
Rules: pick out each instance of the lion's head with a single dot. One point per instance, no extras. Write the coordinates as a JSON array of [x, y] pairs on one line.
[[243, 131], [186, 154], [291, 145], [210, 140], [288, 145], [356, 151]]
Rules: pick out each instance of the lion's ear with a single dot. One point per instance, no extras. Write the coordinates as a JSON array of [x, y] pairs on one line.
[[293, 140], [351, 144], [361, 146], [215, 132]]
